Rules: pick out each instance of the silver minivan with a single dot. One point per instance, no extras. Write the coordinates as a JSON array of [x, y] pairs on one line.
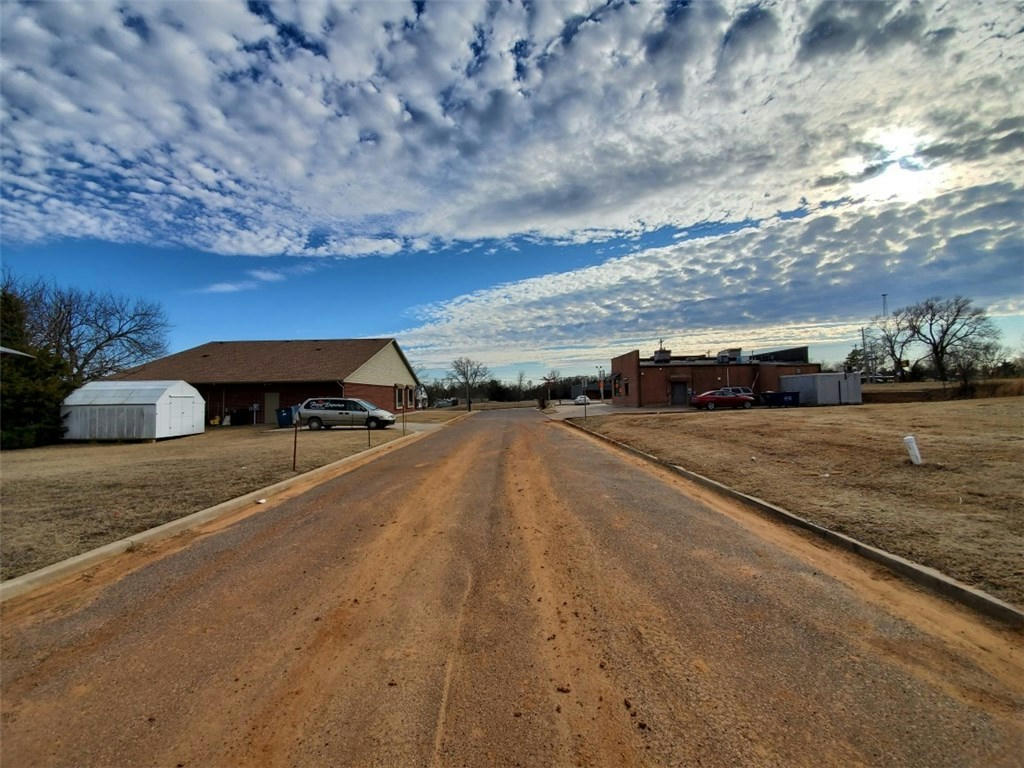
[[318, 412]]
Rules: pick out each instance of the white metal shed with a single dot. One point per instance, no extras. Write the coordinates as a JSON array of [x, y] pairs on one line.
[[824, 388], [133, 410]]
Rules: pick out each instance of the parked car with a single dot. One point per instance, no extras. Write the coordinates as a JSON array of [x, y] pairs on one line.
[[582, 400], [319, 412], [739, 391], [443, 403], [720, 398]]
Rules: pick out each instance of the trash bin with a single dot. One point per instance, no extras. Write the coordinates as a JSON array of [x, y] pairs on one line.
[[780, 399], [284, 417]]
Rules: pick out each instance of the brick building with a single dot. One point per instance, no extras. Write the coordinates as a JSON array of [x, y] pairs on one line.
[[250, 380], [663, 379]]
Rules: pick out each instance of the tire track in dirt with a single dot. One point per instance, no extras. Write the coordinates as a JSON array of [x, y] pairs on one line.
[[372, 665], [496, 712], [449, 667], [594, 727], [633, 693]]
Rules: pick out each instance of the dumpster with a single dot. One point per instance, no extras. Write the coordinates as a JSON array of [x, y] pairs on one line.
[[284, 417], [780, 399]]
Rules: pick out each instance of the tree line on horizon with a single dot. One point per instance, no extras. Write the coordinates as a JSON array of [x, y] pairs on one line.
[[937, 338]]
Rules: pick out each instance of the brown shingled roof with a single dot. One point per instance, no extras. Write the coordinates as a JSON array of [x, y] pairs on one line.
[[227, 362]]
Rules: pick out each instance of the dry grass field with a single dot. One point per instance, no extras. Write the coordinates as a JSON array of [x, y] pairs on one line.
[[919, 391], [62, 500], [962, 511]]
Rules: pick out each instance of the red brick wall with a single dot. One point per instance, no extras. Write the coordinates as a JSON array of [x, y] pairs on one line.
[[626, 375], [654, 386], [382, 397]]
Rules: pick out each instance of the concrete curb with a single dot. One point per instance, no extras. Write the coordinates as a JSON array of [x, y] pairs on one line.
[[52, 573], [931, 579]]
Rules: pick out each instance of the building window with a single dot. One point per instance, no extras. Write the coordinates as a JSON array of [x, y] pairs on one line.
[[398, 398], [625, 386]]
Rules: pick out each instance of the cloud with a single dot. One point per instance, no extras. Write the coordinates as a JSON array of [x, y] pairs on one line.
[[781, 281], [258, 278], [245, 285], [364, 246], [355, 130], [802, 158], [267, 276]]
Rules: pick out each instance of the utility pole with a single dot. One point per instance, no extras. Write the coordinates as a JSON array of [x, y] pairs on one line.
[[885, 308], [600, 380], [864, 349]]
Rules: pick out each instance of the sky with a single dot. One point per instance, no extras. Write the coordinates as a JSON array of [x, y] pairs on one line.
[[533, 185]]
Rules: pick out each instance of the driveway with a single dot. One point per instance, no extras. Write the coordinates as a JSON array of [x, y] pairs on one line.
[[504, 592]]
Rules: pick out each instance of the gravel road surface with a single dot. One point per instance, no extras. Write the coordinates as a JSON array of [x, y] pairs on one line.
[[506, 592]]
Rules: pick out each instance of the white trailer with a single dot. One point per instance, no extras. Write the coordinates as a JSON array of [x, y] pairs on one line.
[[824, 388], [133, 410]]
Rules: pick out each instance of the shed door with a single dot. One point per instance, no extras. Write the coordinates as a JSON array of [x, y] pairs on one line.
[[679, 393], [182, 415]]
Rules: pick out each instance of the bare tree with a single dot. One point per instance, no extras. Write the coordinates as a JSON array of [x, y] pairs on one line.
[[950, 327], [520, 380], [96, 334], [970, 360], [470, 374], [895, 334], [553, 376]]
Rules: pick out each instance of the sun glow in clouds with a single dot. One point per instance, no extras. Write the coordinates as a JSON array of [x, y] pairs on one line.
[[900, 183], [905, 178]]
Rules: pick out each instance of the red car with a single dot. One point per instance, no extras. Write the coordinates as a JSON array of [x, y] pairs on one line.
[[720, 398]]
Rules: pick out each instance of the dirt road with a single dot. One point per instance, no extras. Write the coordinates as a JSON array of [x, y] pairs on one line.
[[506, 592]]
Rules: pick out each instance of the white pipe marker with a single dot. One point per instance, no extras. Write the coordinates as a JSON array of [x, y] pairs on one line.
[[911, 443]]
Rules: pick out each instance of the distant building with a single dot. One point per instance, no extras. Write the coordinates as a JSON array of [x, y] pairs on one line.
[[249, 380], [666, 379]]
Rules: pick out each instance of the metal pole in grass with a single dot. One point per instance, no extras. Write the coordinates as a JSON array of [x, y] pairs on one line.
[[367, 435], [295, 444]]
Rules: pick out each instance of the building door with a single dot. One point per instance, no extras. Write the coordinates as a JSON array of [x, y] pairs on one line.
[[271, 402], [679, 392]]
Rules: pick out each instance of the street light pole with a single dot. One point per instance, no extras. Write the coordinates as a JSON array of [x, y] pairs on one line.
[[600, 380]]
